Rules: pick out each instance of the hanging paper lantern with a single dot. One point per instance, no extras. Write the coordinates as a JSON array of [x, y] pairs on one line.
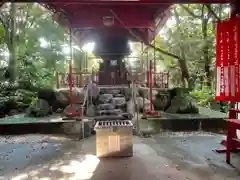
[[108, 20]]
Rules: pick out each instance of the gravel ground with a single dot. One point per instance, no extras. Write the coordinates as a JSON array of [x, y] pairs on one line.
[[162, 157]]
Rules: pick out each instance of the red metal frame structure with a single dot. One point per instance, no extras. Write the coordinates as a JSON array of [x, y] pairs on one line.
[[143, 17], [228, 79], [138, 21], [150, 113], [71, 113], [233, 125], [80, 79]]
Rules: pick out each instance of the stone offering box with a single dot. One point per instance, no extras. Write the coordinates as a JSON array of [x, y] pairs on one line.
[[114, 138]]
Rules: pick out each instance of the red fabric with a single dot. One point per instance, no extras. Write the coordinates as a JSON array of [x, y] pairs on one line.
[[228, 60]]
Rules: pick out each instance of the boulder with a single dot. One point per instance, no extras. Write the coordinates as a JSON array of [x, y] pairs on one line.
[[13, 112], [112, 91], [93, 90], [139, 105], [48, 95], [182, 105], [107, 106], [118, 95], [39, 108], [143, 92], [119, 102], [63, 97], [162, 100], [105, 98], [76, 108]]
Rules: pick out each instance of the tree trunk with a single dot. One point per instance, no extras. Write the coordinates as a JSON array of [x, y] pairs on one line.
[[206, 52], [182, 61], [12, 65]]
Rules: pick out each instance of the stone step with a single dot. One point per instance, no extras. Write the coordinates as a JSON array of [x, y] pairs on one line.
[[123, 116], [118, 96], [105, 118], [109, 112], [106, 106]]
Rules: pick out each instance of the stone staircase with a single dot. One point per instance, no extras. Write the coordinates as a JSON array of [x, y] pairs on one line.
[[112, 104]]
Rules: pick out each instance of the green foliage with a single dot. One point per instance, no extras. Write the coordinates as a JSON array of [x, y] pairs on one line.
[[204, 97], [36, 62]]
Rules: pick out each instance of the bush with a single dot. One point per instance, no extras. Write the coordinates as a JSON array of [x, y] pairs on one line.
[[206, 98], [203, 97]]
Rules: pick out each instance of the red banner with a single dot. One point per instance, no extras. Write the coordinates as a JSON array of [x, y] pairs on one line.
[[228, 60]]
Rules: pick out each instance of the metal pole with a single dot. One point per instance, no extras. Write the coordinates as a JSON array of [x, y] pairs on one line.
[[150, 85], [154, 61], [142, 64], [86, 60], [70, 71], [147, 70], [136, 108]]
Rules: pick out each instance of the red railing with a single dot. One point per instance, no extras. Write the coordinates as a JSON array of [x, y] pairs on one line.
[[79, 79], [159, 80]]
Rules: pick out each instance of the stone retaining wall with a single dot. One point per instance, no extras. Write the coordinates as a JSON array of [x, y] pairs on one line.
[[211, 125], [72, 129]]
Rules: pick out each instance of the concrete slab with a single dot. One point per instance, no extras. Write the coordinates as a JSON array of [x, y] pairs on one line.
[[163, 157]]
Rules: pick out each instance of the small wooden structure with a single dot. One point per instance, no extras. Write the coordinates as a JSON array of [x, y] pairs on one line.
[[114, 138]]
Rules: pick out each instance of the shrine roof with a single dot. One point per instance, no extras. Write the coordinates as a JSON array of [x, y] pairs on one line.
[[126, 2], [87, 16]]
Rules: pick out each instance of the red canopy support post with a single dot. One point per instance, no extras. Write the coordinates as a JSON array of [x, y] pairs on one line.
[[154, 63], [70, 73], [150, 85], [150, 113], [71, 113], [142, 62], [147, 70]]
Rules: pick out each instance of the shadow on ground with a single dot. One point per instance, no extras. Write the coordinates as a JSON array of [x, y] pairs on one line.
[[166, 157]]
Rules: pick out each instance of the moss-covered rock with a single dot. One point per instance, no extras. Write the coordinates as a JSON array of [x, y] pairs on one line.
[[182, 105], [162, 100], [76, 109], [39, 108]]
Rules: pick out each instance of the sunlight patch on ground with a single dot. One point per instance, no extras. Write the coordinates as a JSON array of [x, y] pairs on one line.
[[82, 169]]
